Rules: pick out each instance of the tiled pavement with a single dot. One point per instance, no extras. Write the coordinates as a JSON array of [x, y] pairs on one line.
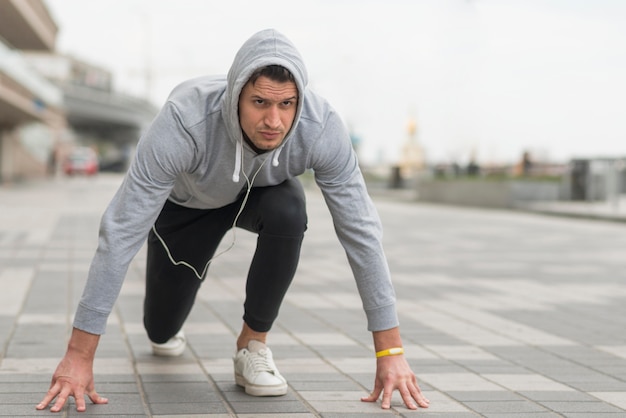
[[504, 314]]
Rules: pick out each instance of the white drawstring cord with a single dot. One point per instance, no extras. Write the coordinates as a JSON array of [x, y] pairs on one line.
[[249, 184], [238, 160], [276, 155]]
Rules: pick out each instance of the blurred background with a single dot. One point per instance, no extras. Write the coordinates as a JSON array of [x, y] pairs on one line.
[[444, 97]]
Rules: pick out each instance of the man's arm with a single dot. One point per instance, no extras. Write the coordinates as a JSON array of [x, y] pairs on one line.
[[393, 372], [74, 374]]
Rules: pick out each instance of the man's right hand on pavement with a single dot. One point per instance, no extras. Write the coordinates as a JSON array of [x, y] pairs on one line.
[[74, 375]]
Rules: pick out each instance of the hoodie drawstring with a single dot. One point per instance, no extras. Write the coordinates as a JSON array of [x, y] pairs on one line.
[[238, 158], [276, 155]]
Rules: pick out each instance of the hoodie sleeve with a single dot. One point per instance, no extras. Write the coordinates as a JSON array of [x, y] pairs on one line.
[[165, 150], [356, 222]]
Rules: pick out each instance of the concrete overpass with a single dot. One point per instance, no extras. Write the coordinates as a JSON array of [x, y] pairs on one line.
[[111, 121]]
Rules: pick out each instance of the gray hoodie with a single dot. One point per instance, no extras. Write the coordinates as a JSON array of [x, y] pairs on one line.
[[194, 155]]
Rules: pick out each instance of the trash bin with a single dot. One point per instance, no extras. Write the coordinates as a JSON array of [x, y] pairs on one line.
[[579, 179], [396, 178]]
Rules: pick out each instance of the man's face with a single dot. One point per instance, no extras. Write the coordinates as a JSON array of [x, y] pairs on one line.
[[267, 110]]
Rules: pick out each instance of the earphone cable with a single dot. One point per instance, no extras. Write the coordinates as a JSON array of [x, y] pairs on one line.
[[200, 276]]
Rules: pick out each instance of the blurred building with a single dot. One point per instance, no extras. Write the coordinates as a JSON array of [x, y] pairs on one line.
[[99, 117], [32, 118], [50, 103]]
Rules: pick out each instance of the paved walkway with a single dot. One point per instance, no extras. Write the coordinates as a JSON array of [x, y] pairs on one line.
[[504, 314]]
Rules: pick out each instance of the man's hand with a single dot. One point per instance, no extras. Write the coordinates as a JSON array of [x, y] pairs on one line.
[[74, 374], [393, 372]]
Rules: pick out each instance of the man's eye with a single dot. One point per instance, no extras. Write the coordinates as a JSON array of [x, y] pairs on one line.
[[259, 101]]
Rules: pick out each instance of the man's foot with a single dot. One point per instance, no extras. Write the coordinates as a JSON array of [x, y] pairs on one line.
[[256, 372], [173, 347]]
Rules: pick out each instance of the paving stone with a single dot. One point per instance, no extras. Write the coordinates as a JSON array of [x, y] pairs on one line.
[[278, 407], [517, 407], [588, 407]]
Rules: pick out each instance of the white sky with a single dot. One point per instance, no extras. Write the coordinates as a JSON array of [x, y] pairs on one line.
[[489, 77]]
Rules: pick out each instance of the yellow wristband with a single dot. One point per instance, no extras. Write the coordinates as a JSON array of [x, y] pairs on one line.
[[390, 352]]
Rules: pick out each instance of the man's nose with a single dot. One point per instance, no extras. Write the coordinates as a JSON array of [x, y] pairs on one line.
[[272, 117]]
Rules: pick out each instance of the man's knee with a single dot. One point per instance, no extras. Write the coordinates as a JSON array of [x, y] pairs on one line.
[[284, 211], [289, 211]]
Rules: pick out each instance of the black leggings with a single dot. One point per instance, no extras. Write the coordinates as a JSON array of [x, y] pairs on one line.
[[276, 213]]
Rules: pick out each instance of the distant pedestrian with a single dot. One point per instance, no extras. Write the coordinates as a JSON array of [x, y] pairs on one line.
[[225, 152]]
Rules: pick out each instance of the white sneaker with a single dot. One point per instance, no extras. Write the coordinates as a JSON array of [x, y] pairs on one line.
[[173, 347], [256, 372]]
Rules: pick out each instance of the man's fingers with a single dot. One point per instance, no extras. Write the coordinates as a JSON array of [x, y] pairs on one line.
[[410, 393], [407, 397], [97, 399], [63, 391], [52, 393], [417, 394], [387, 392], [61, 399], [374, 395], [45, 401], [79, 397]]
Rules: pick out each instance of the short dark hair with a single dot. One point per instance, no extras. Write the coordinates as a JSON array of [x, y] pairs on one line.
[[273, 72]]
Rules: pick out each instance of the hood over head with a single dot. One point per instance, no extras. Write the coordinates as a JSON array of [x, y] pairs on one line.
[[267, 47]]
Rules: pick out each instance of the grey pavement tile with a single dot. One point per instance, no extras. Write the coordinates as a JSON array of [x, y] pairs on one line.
[[366, 380], [119, 405], [173, 378], [21, 410], [587, 407], [287, 352], [421, 413], [568, 396], [341, 385], [282, 415], [346, 407], [188, 408], [101, 412], [105, 388], [25, 387], [21, 398], [33, 341], [614, 398], [179, 392], [530, 356], [524, 415], [505, 407], [609, 385], [435, 366], [114, 378], [22, 378], [584, 355], [226, 381], [494, 368], [479, 396], [238, 395], [201, 415], [593, 415], [372, 414], [277, 407]]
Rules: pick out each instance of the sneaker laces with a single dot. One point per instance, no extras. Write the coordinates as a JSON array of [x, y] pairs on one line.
[[260, 361]]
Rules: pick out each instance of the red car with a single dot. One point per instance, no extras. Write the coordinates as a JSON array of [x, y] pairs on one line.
[[82, 160]]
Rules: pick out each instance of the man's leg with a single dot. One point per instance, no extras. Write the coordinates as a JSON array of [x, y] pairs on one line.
[[278, 215], [191, 235]]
